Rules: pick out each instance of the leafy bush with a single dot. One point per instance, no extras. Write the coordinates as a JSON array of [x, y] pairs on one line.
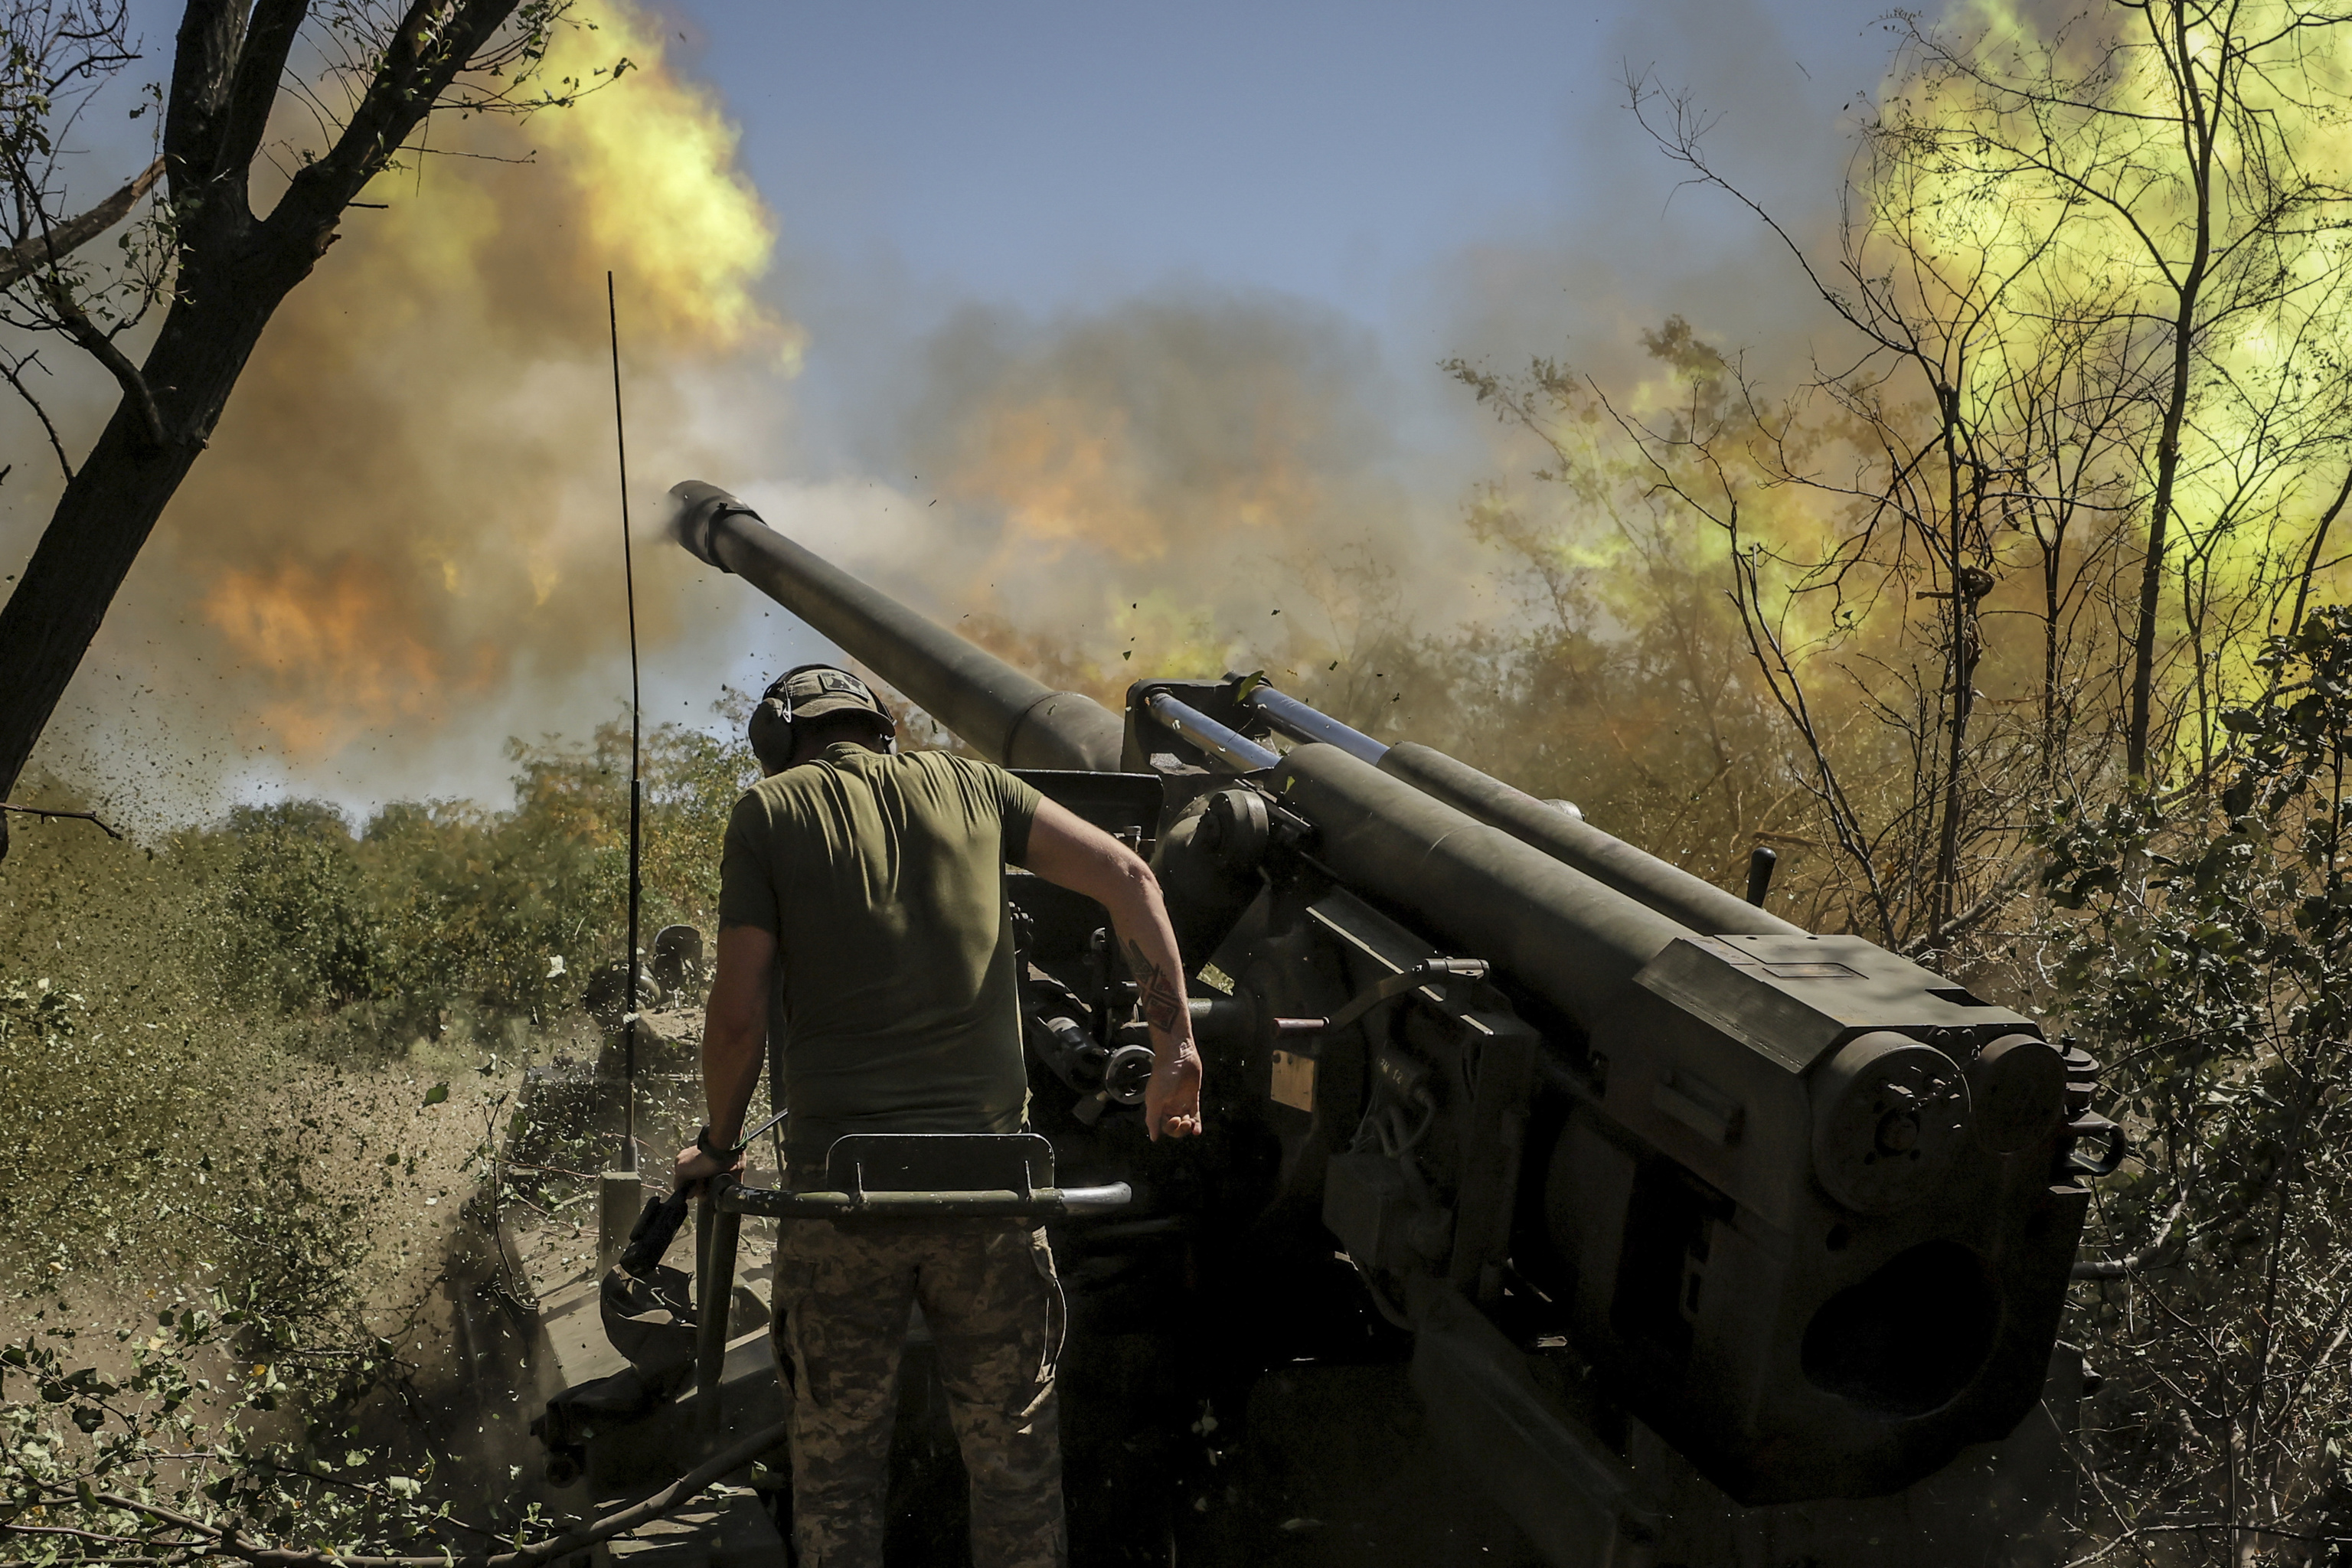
[[2208, 958], [201, 1055], [306, 934], [441, 909], [174, 1450]]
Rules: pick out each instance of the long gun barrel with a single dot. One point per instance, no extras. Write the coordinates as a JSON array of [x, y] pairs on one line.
[[1005, 715], [1577, 942]]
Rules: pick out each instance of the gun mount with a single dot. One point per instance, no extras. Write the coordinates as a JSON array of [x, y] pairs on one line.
[[1797, 1204]]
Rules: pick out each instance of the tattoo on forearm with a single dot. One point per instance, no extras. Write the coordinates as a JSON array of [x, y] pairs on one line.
[[1163, 1001]]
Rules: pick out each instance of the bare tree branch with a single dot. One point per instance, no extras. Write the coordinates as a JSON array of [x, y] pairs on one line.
[[13, 373], [95, 340], [1994, 899], [60, 815], [228, 1538], [434, 42], [2319, 542], [46, 250], [2119, 1268]]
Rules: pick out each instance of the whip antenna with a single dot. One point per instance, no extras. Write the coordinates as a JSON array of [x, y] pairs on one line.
[[636, 784]]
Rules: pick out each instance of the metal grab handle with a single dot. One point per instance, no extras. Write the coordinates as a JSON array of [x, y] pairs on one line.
[[1228, 746], [1301, 723], [1412, 977], [2091, 1124], [1002, 1203], [725, 1201]]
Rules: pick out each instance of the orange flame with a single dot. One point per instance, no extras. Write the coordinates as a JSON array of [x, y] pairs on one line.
[[337, 636], [1093, 463], [409, 498]]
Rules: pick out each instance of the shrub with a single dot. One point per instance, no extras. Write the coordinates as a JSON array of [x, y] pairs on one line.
[[2203, 946]]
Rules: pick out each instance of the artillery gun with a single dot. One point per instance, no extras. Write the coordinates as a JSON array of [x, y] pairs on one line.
[[1700, 1237]]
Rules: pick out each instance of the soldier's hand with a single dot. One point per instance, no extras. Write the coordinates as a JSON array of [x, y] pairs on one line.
[[1171, 1100], [695, 1167]]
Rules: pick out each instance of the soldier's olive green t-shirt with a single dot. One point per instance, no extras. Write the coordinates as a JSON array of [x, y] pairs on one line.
[[882, 879]]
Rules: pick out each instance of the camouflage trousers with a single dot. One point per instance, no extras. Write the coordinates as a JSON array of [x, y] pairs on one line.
[[988, 1292]]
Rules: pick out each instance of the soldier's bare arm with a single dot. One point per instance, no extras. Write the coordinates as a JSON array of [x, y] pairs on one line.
[[734, 1040], [1075, 854]]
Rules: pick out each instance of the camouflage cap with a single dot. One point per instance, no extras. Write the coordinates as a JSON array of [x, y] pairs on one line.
[[813, 691], [809, 692]]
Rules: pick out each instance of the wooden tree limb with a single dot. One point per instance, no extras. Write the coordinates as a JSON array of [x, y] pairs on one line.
[[2118, 1267], [261, 61], [204, 62], [2027, 866], [2319, 542], [14, 375], [60, 815], [228, 1538], [434, 42], [94, 340], [18, 261]]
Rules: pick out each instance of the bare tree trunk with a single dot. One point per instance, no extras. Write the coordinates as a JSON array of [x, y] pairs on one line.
[[104, 516], [233, 269], [2198, 133], [2053, 605], [1962, 667]]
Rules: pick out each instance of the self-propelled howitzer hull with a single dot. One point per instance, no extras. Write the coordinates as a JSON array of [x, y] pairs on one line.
[[1798, 1205]]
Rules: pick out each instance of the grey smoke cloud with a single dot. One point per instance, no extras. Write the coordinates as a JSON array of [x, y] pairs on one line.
[[403, 546]]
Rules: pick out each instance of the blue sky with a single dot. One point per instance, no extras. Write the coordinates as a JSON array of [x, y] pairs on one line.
[[1046, 152], [1457, 178]]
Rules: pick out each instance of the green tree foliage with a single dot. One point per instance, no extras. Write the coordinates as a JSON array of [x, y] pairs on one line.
[[437, 909], [145, 990], [194, 1042], [306, 934]]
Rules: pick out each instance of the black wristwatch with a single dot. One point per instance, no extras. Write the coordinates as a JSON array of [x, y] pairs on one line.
[[702, 1141]]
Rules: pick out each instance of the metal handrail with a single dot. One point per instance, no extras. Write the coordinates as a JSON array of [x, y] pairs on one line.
[[719, 1219], [1001, 1202]]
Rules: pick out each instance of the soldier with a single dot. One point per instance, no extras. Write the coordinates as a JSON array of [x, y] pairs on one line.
[[865, 888]]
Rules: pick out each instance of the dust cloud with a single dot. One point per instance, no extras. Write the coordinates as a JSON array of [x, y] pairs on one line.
[[403, 546], [404, 542], [1145, 490]]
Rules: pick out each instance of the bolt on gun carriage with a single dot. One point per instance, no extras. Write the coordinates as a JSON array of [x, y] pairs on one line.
[[1800, 1205]]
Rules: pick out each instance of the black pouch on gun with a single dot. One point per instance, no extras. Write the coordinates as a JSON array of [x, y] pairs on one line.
[[648, 1317], [650, 1238]]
